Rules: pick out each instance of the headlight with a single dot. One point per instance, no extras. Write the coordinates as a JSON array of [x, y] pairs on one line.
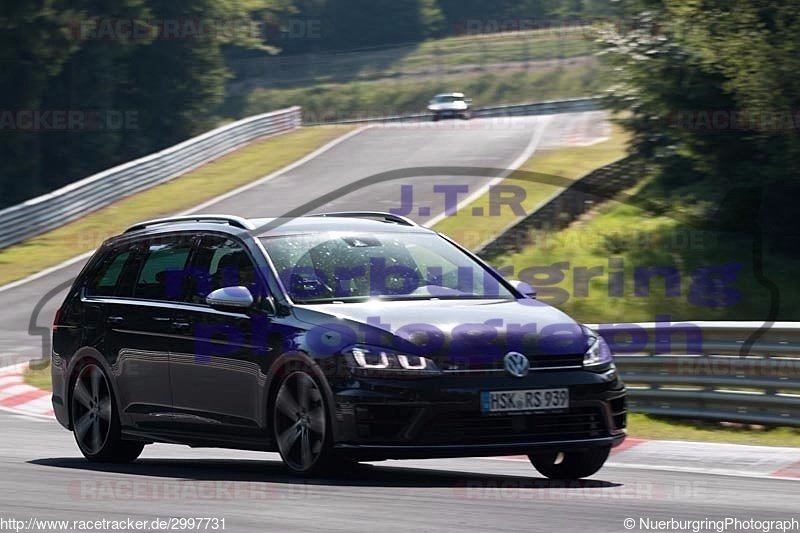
[[384, 360], [598, 352]]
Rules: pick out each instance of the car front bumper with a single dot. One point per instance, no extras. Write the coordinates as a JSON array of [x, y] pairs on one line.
[[441, 416], [449, 112]]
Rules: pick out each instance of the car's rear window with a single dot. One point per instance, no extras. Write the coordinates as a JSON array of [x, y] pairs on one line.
[[107, 276], [448, 99]]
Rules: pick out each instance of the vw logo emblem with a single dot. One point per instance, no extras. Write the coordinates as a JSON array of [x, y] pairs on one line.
[[516, 364]]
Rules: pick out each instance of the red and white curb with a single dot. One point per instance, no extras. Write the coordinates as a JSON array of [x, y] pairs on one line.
[[19, 398]]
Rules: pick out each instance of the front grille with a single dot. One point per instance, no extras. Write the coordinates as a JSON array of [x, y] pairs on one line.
[[536, 361], [560, 360], [468, 428]]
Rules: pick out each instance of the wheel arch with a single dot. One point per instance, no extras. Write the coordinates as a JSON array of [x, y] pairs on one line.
[[83, 357], [285, 364]]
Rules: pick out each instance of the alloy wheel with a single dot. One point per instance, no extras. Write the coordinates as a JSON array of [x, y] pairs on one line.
[[91, 409], [300, 422]]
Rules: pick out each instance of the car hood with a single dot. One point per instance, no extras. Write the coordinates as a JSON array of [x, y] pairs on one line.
[[455, 332]]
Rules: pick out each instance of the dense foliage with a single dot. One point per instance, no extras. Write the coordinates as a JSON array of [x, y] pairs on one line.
[[80, 91], [711, 86], [134, 89]]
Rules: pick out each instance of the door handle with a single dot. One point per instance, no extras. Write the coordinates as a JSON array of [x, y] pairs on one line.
[[115, 320], [181, 326]]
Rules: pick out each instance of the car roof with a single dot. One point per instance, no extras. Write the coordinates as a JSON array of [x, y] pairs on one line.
[[318, 224], [362, 222], [457, 95]]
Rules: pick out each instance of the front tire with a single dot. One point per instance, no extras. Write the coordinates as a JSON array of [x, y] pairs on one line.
[[572, 465], [95, 420], [300, 425]]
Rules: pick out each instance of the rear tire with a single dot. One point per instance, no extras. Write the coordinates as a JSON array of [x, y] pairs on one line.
[[300, 425], [574, 464], [95, 419]]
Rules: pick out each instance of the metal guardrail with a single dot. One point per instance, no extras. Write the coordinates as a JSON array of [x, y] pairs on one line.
[[54, 209], [712, 370], [573, 105]]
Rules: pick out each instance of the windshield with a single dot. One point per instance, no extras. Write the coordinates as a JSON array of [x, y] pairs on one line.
[[448, 99], [351, 267]]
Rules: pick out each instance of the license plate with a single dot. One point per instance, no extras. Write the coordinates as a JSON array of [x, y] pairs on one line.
[[524, 401]]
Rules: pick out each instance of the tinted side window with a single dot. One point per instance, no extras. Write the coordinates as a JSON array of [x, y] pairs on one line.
[[221, 262], [162, 275], [108, 279]]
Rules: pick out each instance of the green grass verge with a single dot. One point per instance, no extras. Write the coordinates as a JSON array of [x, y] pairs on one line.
[[502, 47], [39, 378], [376, 98], [662, 238], [233, 170], [662, 428], [440, 56], [639, 425], [644, 241], [452, 52], [569, 162]]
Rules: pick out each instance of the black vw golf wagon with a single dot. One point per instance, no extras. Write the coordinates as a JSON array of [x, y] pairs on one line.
[[329, 338]]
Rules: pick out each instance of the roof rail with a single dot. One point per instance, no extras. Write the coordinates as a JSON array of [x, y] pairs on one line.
[[386, 217], [231, 220]]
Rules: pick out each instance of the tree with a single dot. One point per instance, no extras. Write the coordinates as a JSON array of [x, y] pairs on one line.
[[683, 64], [35, 44], [80, 58], [432, 18]]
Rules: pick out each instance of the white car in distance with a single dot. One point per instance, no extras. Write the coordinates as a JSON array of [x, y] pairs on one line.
[[454, 105]]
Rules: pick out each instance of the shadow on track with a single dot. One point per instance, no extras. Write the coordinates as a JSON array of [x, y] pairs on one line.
[[360, 475]]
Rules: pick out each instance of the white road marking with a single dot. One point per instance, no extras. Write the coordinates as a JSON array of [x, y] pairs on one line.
[[518, 162]]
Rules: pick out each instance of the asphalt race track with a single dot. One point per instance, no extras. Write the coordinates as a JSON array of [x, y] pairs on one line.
[[495, 142], [43, 477]]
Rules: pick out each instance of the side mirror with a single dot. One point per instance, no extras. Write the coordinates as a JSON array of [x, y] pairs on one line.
[[230, 297], [524, 288]]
